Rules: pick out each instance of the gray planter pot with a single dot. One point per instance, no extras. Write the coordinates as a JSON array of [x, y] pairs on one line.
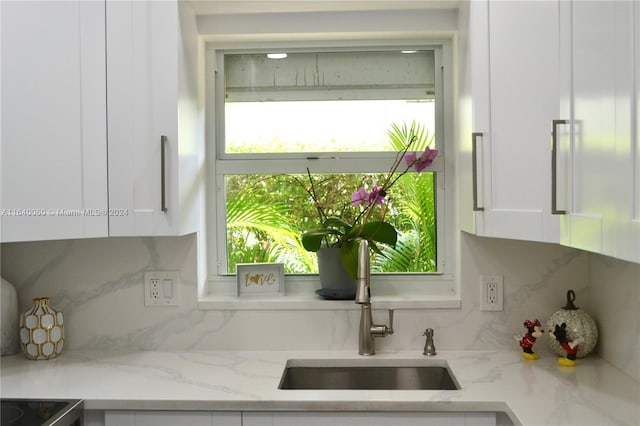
[[336, 283]]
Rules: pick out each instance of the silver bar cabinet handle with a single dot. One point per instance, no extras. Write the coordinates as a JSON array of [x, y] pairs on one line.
[[474, 170], [554, 166], [163, 184]]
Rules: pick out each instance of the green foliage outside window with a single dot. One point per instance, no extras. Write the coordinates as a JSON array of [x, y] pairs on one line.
[[266, 215]]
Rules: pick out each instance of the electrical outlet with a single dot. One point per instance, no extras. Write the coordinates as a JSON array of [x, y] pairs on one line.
[[492, 293], [154, 291], [492, 289], [161, 288]]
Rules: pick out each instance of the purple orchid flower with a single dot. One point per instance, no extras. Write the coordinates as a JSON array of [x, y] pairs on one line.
[[376, 195], [360, 197], [423, 161], [363, 198]]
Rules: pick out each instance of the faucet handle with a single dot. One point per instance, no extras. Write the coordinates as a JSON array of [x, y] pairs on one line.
[[390, 328]]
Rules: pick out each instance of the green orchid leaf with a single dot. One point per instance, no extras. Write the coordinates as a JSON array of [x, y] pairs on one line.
[[381, 232], [349, 256], [336, 222], [312, 239]]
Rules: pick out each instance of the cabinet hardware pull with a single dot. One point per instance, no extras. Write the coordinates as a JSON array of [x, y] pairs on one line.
[[474, 170], [554, 166], [163, 188]]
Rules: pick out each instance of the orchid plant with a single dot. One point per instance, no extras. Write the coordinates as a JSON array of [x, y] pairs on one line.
[[372, 206]]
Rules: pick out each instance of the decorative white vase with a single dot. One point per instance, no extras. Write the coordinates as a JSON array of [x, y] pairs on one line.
[[41, 330], [336, 282], [9, 320]]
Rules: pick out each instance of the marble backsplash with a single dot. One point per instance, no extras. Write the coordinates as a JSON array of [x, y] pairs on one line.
[[98, 284], [615, 292]]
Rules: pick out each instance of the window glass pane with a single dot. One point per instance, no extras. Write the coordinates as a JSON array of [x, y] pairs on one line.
[[319, 126], [266, 215], [324, 101]]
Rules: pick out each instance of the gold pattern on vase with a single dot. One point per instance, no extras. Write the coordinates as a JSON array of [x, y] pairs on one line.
[[41, 330]]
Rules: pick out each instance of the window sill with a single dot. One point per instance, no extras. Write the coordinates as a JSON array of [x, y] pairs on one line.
[[402, 293]]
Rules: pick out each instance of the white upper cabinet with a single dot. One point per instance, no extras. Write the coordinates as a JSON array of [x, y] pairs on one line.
[[629, 245], [96, 144], [598, 146], [627, 129], [155, 160], [509, 94], [53, 153]]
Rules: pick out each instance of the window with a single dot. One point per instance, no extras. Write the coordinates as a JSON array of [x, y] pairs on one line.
[[337, 116]]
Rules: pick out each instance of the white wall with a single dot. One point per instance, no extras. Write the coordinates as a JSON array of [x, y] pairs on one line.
[[615, 291]]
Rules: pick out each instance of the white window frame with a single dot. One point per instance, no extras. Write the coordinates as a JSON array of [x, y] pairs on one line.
[[439, 289]]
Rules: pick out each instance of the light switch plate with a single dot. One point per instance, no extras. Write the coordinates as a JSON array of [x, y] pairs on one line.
[[161, 288]]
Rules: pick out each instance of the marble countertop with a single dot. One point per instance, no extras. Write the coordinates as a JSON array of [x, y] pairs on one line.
[[529, 392]]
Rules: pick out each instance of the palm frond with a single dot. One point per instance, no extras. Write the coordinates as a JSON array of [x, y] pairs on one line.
[[400, 135], [261, 232]]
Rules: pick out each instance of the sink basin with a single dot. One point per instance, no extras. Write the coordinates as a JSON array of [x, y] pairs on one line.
[[391, 374]]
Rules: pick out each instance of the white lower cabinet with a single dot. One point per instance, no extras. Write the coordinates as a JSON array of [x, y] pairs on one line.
[[367, 419], [289, 418], [172, 418]]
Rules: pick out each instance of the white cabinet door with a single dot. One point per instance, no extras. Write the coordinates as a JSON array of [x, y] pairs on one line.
[[513, 86], [173, 418], [591, 150], [154, 161], [627, 129], [523, 83], [367, 419], [54, 177], [600, 156], [473, 107]]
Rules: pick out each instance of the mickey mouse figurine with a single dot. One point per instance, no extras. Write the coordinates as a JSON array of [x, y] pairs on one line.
[[534, 330], [571, 346]]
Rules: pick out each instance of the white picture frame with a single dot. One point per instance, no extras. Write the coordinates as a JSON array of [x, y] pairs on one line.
[[259, 279]]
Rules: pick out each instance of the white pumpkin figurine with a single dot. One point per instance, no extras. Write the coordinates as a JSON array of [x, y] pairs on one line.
[[572, 332]]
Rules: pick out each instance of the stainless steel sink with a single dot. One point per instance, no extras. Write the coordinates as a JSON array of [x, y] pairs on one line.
[[368, 374]]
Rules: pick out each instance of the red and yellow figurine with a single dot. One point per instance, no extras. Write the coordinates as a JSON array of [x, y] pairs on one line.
[[569, 345], [534, 331]]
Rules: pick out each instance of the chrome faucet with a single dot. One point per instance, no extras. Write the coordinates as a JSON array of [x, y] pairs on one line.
[[368, 330], [429, 346]]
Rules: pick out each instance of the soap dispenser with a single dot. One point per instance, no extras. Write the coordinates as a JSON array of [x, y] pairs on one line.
[[429, 346]]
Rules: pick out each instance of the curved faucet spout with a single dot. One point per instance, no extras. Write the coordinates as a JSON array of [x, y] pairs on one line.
[[363, 291], [368, 330]]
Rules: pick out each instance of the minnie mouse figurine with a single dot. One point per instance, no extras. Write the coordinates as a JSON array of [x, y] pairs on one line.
[[534, 330]]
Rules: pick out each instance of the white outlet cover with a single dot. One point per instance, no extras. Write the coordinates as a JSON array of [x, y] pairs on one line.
[[498, 281], [159, 296]]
